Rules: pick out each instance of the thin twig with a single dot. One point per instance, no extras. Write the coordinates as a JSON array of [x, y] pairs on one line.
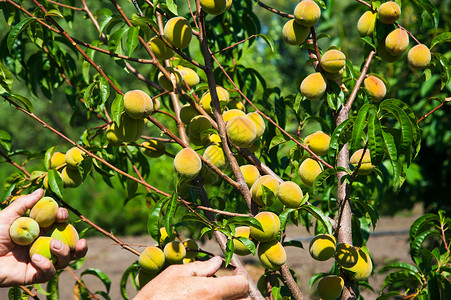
[[434, 110]]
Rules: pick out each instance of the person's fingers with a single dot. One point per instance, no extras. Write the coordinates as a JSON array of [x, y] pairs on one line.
[[62, 215], [42, 270], [62, 253], [19, 207], [231, 287], [81, 248], [203, 268]]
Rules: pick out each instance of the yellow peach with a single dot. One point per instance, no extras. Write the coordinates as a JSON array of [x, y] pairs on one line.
[[151, 260], [178, 32], [192, 245], [309, 170], [130, 130], [257, 189], [42, 246], [318, 142], [216, 156], [74, 157], [313, 86], [419, 57], [270, 223], [307, 13], [44, 211], [375, 87], [294, 33], [71, 178], [187, 163], [153, 148], [362, 269], [23, 231], [189, 76], [346, 255], [365, 25], [290, 194], [137, 104], [322, 247], [333, 61], [238, 246], [250, 174], [228, 114], [272, 255], [258, 121], [214, 7], [389, 12], [396, 42], [366, 166], [187, 113], [174, 253], [330, 287], [66, 233], [58, 159], [160, 49], [176, 79], [241, 131]]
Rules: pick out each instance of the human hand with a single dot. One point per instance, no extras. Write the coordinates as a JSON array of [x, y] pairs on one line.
[[16, 266], [194, 281]]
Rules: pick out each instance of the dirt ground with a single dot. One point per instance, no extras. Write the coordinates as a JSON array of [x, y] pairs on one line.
[[388, 242]]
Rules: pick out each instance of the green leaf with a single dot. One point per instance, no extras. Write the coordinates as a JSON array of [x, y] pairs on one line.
[[445, 65], [115, 39], [339, 137], [406, 126], [390, 295], [419, 223], [277, 140], [170, 212], [316, 277], [89, 103], [247, 221], [132, 39], [153, 221], [55, 182], [39, 289], [129, 272], [16, 30], [99, 274], [318, 214], [248, 243], [172, 6], [52, 287], [48, 155], [375, 138], [319, 180], [399, 266], [358, 127], [370, 210], [14, 293], [104, 89], [390, 142], [117, 107], [54, 13], [441, 38], [5, 140], [283, 217], [399, 276], [268, 40], [293, 244], [229, 251], [415, 245]]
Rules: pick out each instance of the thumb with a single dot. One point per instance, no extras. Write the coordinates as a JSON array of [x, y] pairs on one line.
[[204, 268], [19, 207]]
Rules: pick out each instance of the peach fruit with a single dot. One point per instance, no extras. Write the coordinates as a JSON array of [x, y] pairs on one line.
[[396, 42], [290, 194], [42, 246], [174, 253], [362, 269], [71, 178], [309, 170], [23, 231], [366, 167], [142, 278], [389, 12], [313, 86], [258, 121], [187, 113], [330, 287], [228, 114], [44, 212], [365, 25], [176, 79], [160, 49], [153, 148], [58, 159], [294, 33], [137, 104], [250, 174], [375, 87], [346, 255], [318, 142], [257, 190], [272, 255], [66, 233], [197, 125], [333, 61], [214, 7], [74, 157], [187, 163], [130, 130], [419, 57], [178, 32], [111, 135], [271, 226], [241, 131], [151, 260], [216, 156], [223, 97], [307, 13], [189, 76], [322, 247], [238, 247], [164, 237], [192, 245]]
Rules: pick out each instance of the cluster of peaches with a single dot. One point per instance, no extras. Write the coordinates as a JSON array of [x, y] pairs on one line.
[[25, 231]]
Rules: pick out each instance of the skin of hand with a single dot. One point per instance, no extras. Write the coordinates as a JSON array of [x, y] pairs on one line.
[[194, 281], [16, 266]]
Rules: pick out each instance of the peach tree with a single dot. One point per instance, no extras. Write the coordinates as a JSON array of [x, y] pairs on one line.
[[305, 119]]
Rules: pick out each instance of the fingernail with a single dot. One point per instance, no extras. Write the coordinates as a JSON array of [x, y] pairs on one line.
[[57, 244], [37, 258]]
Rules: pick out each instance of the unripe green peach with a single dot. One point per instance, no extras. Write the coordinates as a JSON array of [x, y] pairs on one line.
[[271, 226], [66, 233], [397, 42], [174, 253], [255, 146], [164, 237], [153, 148], [142, 278], [322, 247], [313, 86], [330, 287], [214, 7], [192, 245], [178, 32], [272, 255], [187, 113], [366, 166], [238, 247], [362, 269], [23, 231], [42, 246], [111, 135], [223, 96], [419, 57], [318, 142], [137, 104], [130, 130], [290, 194], [250, 174], [389, 12], [74, 157], [236, 104], [196, 127], [307, 13], [258, 121], [333, 61], [365, 25], [160, 49], [346, 255], [228, 114], [151, 260], [71, 178], [241, 131], [294, 33], [58, 159], [308, 171], [176, 79], [44, 211], [215, 155], [187, 163], [257, 190], [375, 87], [335, 76], [189, 75], [262, 285]]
